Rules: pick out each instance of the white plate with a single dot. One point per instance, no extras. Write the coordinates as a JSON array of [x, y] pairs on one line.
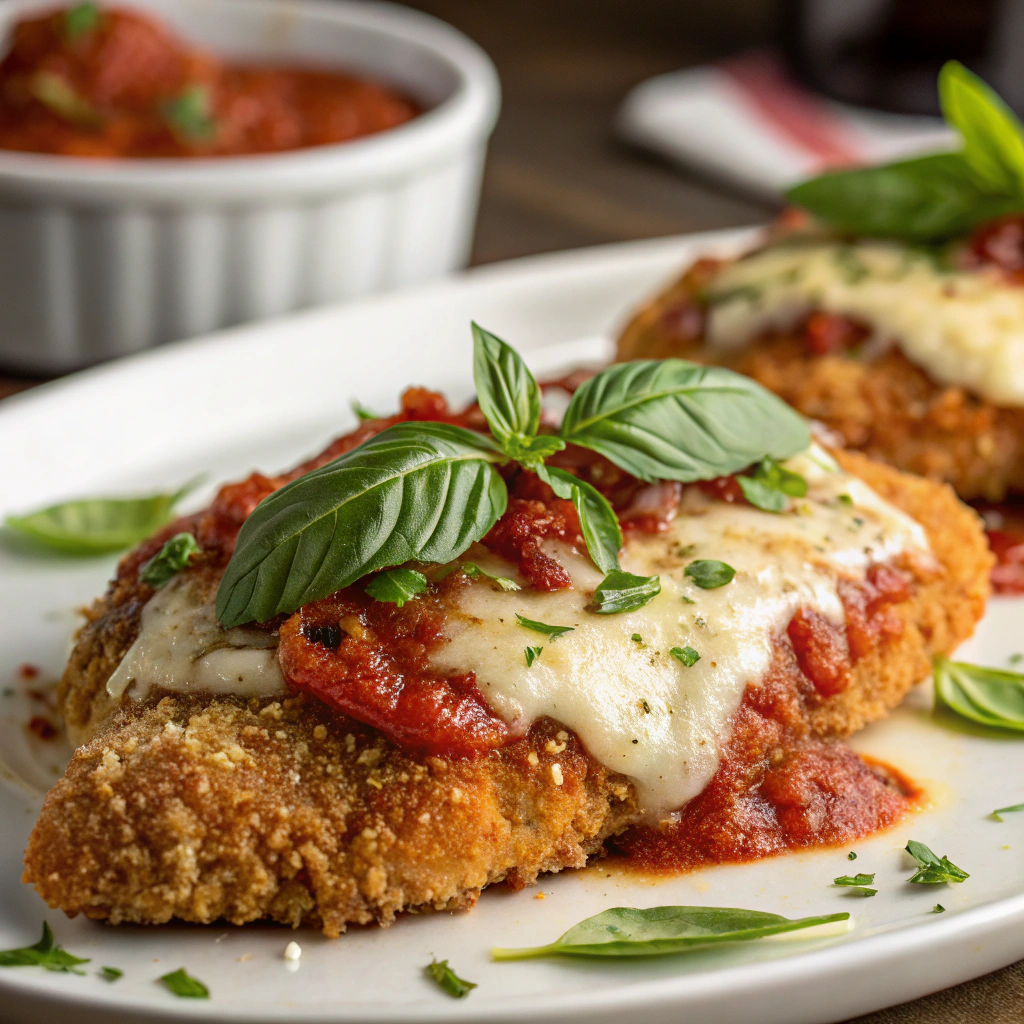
[[263, 396]]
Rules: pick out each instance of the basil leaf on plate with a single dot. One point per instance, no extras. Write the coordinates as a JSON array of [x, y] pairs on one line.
[[183, 985], [414, 492], [190, 114], [396, 586], [709, 573], [989, 696], [506, 390], [771, 486], [626, 931], [92, 526], [80, 20], [621, 591], [998, 813], [43, 953], [598, 521], [687, 655], [542, 627], [448, 980], [933, 870], [473, 570], [169, 560], [992, 134], [674, 420]]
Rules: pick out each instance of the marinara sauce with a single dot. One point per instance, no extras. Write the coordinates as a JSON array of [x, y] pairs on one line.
[[93, 81]]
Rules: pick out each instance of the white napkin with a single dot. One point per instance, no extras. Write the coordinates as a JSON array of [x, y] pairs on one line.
[[746, 121]]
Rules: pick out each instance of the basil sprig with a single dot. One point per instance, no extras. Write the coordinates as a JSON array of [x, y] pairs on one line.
[[44, 953], [988, 696], [658, 931], [415, 492], [932, 869], [938, 196], [426, 491]]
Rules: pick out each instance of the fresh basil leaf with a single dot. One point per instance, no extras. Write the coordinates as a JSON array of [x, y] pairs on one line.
[[709, 573], [989, 696], [761, 496], [111, 973], [183, 985], [455, 986], [998, 813], [473, 570], [925, 199], [542, 627], [396, 586], [169, 560], [532, 654], [673, 420], [93, 526], [770, 485], [598, 521], [414, 492], [687, 655], [57, 95], [43, 953], [80, 20], [933, 870], [508, 395], [992, 134], [190, 114], [860, 879], [658, 931], [364, 414], [621, 591]]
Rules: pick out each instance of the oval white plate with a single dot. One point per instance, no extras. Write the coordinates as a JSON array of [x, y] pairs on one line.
[[265, 395]]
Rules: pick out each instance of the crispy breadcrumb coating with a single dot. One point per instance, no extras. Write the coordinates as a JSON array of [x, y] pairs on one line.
[[886, 407], [204, 808]]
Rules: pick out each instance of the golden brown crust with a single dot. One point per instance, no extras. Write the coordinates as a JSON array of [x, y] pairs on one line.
[[209, 809], [887, 407]]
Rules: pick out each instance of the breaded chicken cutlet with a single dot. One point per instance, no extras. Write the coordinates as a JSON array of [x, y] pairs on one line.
[[279, 803]]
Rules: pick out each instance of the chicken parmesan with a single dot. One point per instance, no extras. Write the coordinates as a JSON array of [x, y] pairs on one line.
[[662, 659]]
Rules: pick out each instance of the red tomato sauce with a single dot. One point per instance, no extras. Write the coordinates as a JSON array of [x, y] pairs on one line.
[[776, 788], [1004, 527], [113, 82]]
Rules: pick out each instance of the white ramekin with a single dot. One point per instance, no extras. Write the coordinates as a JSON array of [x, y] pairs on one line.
[[104, 258]]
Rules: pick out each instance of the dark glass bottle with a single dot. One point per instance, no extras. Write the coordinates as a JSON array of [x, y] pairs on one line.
[[887, 53]]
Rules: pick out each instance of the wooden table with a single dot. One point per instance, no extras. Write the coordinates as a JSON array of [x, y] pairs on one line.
[[556, 179]]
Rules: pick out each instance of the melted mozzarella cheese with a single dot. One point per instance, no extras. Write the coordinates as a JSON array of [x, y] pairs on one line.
[[182, 647], [636, 708], [962, 328]]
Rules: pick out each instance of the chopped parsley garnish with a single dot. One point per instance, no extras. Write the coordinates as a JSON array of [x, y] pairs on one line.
[[473, 570], [687, 655], [860, 879], [933, 870], [851, 856], [998, 813], [637, 638], [938, 909], [771, 486], [169, 560], [80, 20], [190, 116], [709, 573], [111, 973], [623, 592], [687, 600], [183, 985], [542, 627], [532, 654], [396, 586], [447, 979], [45, 954]]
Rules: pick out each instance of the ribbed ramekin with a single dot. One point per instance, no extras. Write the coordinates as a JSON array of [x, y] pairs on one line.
[[104, 258]]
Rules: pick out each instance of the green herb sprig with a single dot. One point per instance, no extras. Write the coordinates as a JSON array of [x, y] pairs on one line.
[[554, 632], [448, 980], [396, 586], [44, 953], [184, 986], [429, 490], [771, 486], [660, 931], [931, 869], [169, 560], [939, 196]]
